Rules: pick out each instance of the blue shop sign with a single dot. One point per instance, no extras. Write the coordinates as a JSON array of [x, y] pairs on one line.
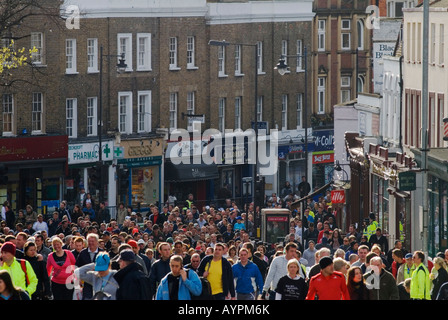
[[324, 140]]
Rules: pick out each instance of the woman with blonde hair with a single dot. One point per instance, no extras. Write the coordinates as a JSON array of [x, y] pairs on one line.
[[442, 276], [60, 267], [292, 286]]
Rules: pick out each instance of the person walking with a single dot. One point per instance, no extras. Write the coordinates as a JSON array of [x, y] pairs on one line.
[[420, 281], [380, 282], [8, 291], [179, 283], [328, 284], [356, 285], [218, 272], [293, 285], [247, 274], [442, 276], [133, 284], [43, 288], [60, 266], [24, 280], [100, 276]]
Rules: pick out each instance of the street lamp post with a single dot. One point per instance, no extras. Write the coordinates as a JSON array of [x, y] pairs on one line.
[[282, 68], [121, 67], [255, 180]]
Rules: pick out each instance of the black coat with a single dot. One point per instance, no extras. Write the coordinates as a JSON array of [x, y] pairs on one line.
[[442, 278], [228, 284], [133, 283], [43, 281], [159, 269]]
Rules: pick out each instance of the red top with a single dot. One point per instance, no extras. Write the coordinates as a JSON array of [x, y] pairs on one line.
[[332, 287]]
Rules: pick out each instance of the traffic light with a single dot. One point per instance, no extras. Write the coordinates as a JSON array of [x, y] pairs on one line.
[[3, 174], [259, 192], [95, 177], [123, 181]]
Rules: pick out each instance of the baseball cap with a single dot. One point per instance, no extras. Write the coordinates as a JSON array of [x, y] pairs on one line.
[[141, 241], [102, 261], [133, 243], [127, 255]]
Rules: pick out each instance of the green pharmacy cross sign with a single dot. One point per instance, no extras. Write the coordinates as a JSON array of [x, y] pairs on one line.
[[407, 181]]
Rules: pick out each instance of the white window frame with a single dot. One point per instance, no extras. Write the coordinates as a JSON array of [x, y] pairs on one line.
[[191, 53], [432, 44], [345, 88], [345, 32], [360, 26], [321, 26], [173, 110], [92, 116], [238, 103], [441, 44], [222, 115], [125, 124], [37, 41], [238, 60], [124, 45], [143, 52], [37, 113], [285, 53], [284, 120], [92, 55], [173, 54], [299, 67], [321, 86], [260, 57], [71, 116], [191, 102], [144, 111], [8, 113], [70, 56], [299, 110], [222, 61]]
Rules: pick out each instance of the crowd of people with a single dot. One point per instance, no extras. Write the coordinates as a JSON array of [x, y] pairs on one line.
[[184, 253]]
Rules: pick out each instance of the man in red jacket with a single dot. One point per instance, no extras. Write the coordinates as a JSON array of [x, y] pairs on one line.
[[328, 284]]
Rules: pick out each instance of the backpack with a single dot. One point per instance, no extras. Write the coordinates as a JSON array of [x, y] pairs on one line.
[[23, 265], [206, 293]]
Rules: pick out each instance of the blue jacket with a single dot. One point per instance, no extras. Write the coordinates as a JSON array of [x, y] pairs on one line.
[[190, 286], [247, 277]]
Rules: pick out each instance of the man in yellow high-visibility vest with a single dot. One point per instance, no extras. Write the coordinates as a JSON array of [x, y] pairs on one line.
[[371, 228]]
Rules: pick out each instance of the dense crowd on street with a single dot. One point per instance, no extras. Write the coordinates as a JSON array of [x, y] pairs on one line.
[[183, 252]]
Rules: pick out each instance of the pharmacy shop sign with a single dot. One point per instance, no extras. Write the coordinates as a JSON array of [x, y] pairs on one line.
[[89, 152]]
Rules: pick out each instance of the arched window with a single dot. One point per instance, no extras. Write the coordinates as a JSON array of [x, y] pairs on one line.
[[360, 29]]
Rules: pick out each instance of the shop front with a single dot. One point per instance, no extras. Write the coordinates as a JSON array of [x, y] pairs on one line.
[[83, 157], [323, 157], [139, 164], [36, 167]]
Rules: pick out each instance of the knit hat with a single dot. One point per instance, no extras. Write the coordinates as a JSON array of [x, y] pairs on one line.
[[325, 262], [9, 247], [133, 243]]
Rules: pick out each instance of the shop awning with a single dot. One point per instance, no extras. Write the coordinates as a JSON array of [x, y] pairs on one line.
[[190, 172]]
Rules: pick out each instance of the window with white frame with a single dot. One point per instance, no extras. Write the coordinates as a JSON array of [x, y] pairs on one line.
[[441, 44], [284, 112], [345, 88], [260, 57], [238, 112], [143, 52], [221, 61], [321, 35], [144, 111], [321, 95], [92, 122], [125, 112], [419, 42], [70, 56], [71, 111], [173, 53], [173, 110], [124, 41], [222, 114], [345, 34], [299, 110], [191, 52], [92, 55], [37, 113], [8, 113], [191, 101], [299, 52], [37, 41], [260, 108], [238, 49], [285, 50]]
